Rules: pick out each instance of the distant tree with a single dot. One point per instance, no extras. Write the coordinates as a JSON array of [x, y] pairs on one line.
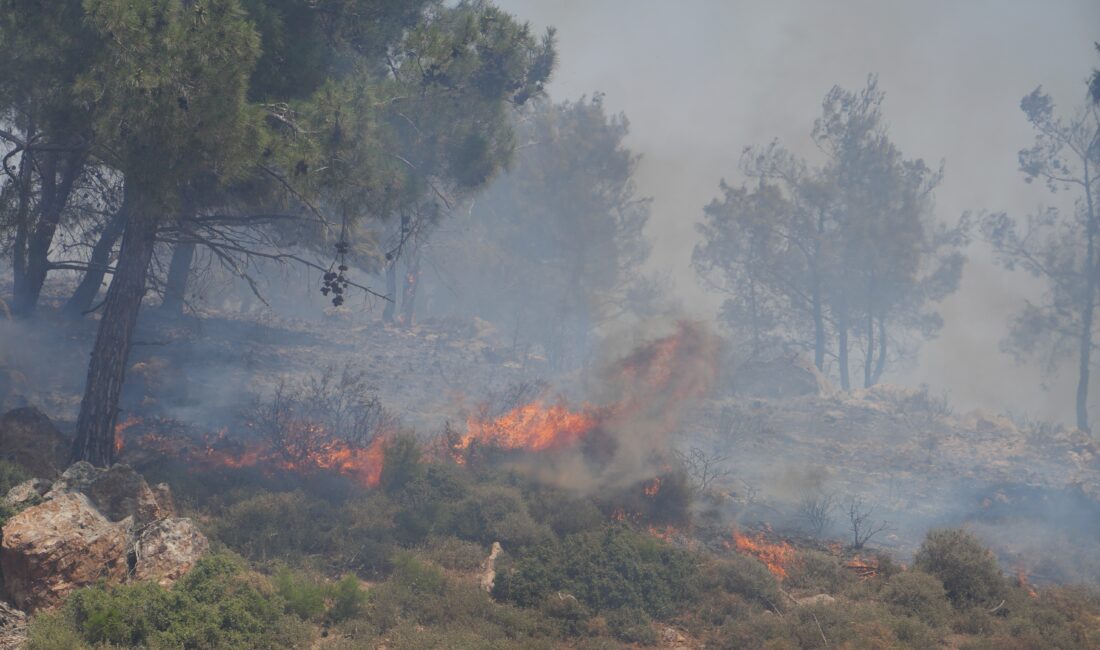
[[1060, 247], [553, 248], [810, 256]]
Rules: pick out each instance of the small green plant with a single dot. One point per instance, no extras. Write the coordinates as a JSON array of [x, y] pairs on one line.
[[918, 594], [967, 568]]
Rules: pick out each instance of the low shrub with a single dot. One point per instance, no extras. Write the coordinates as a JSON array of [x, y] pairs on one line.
[[967, 568], [817, 572], [11, 474], [632, 625], [918, 594], [610, 569], [218, 604], [746, 577]]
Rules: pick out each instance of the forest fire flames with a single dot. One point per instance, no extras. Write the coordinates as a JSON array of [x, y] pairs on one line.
[[121, 427], [536, 426], [361, 464], [777, 557], [651, 382]]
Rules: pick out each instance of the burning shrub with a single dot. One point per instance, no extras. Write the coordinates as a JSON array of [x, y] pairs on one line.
[[301, 420], [967, 568], [605, 570], [918, 594]]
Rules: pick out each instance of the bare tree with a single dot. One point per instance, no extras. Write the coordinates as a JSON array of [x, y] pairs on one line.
[[703, 467], [862, 526], [816, 510]]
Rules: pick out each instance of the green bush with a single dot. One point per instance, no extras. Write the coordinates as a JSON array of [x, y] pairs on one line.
[[814, 571], [747, 577], [610, 569], [278, 526], [632, 625], [495, 513], [304, 594], [918, 594], [456, 554], [968, 570], [401, 463], [11, 475], [218, 604]]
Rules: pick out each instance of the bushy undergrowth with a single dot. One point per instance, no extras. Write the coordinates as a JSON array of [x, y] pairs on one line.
[[569, 576], [218, 604]]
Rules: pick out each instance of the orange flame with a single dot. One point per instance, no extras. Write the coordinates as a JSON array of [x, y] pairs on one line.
[[120, 440], [536, 426], [1023, 582], [652, 487], [777, 557]]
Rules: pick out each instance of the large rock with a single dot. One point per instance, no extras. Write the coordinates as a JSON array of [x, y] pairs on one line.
[[93, 524], [65, 543], [167, 549], [29, 438], [118, 492]]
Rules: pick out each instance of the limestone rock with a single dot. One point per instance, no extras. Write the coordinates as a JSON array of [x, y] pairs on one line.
[[29, 438], [118, 492], [53, 548], [27, 492], [13, 627], [167, 549], [489, 568]]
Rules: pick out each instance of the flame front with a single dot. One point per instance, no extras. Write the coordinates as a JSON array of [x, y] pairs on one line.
[[777, 557], [536, 426], [120, 428]]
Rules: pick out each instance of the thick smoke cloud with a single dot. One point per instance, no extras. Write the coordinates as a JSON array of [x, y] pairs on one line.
[[700, 81]]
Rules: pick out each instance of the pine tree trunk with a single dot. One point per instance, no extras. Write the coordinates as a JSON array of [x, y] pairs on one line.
[[391, 291], [99, 409], [412, 281], [880, 363], [842, 338], [869, 358], [55, 194], [84, 295], [1092, 268], [179, 270]]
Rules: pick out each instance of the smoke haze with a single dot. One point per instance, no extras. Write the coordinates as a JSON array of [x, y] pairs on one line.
[[700, 81]]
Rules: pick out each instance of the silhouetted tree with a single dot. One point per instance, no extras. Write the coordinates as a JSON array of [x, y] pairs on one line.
[[1061, 247]]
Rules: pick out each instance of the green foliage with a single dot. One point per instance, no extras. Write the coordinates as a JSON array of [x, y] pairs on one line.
[[747, 577], [609, 569], [496, 514], [304, 594], [632, 625], [456, 554], [917, 594], [818, 572], [278, 525], [967, 568], [219, 604], [402, 463], [11, 475]]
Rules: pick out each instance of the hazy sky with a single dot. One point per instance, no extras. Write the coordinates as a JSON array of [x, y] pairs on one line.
[[701, 80]]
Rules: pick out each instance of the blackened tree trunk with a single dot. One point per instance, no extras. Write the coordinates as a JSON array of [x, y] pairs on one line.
[[818, 309], [59, 173], [391, 291], [81, 300], [1092, 269], [869, 356], [94, 440], [412, 281], [880, 363], [179, 270], [842, 351]]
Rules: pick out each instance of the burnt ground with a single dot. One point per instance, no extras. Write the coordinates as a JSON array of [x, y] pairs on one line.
[[1032, 492]]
